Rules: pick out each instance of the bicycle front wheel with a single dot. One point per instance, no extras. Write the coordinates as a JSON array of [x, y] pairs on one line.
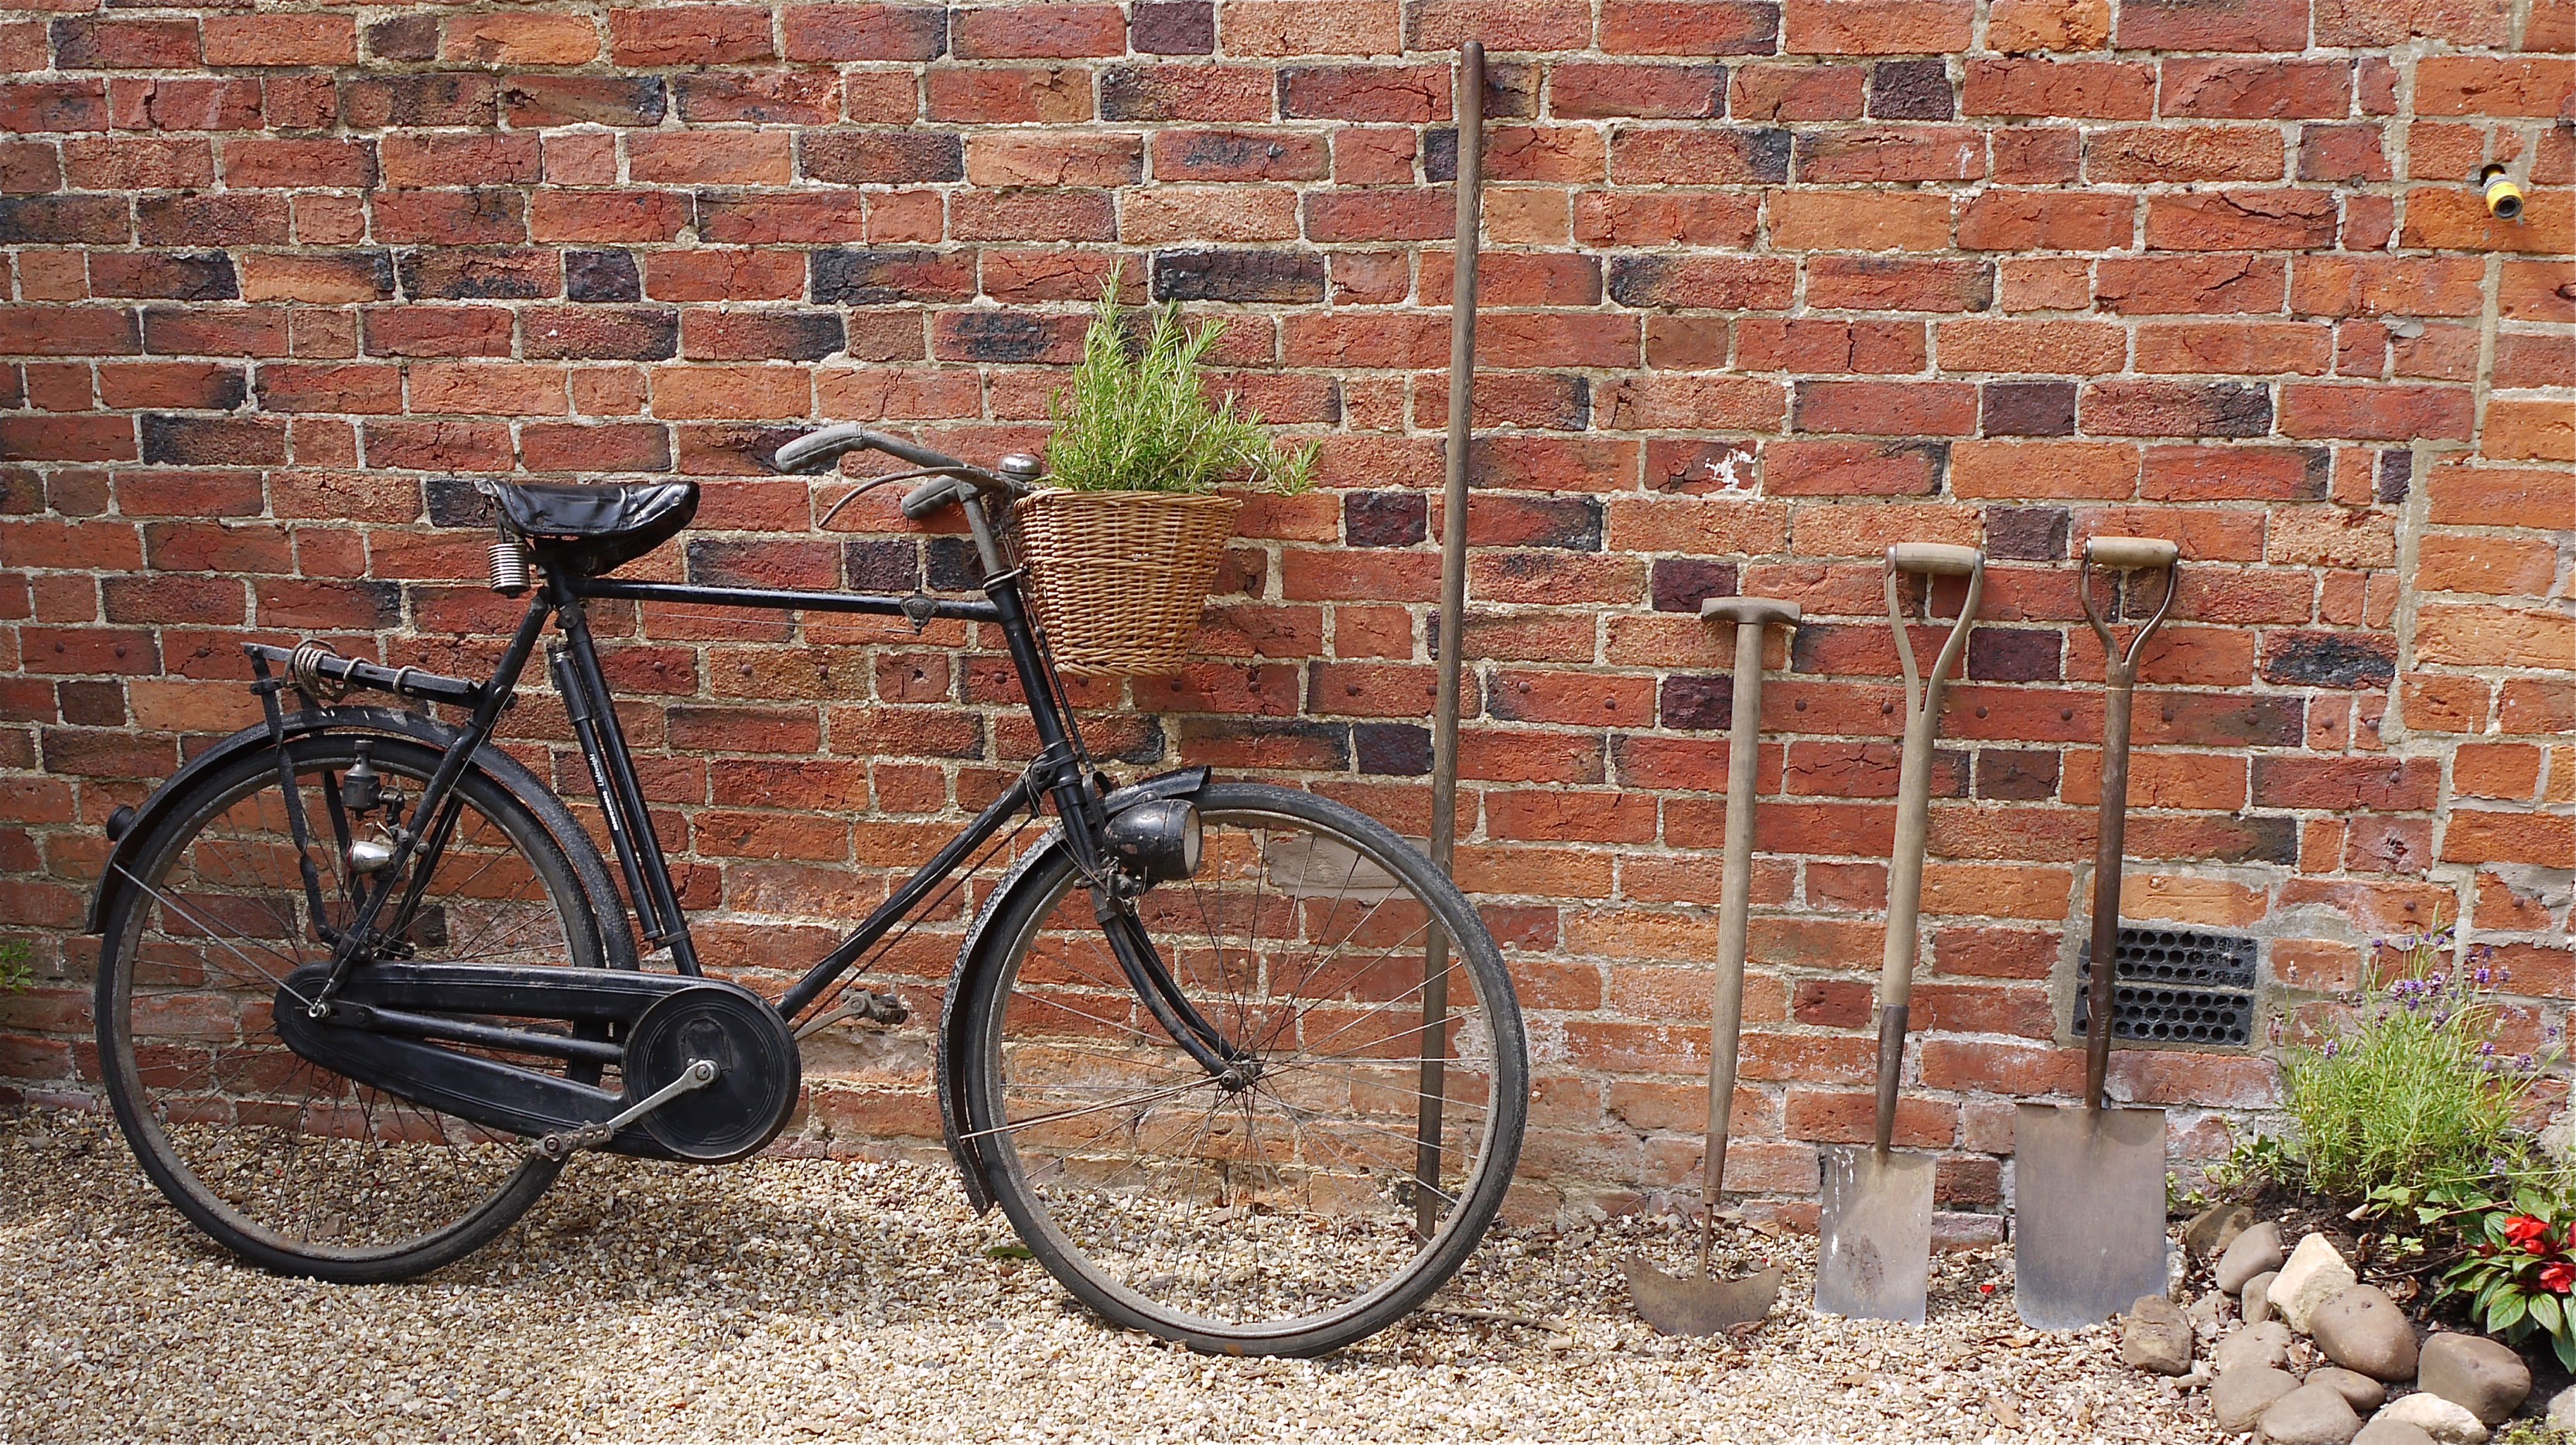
[[1346, 1163]]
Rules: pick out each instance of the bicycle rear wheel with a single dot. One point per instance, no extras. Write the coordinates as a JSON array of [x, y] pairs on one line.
[[286, 1162], [1285, 1209]]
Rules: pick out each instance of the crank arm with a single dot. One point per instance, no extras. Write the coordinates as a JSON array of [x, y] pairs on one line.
[[697, 1075], [865, 1005]]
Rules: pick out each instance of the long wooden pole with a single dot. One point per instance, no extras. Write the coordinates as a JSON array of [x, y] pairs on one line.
[[1469, 107]]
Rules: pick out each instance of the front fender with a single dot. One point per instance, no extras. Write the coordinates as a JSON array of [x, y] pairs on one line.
[[974, 960], [428, 732]]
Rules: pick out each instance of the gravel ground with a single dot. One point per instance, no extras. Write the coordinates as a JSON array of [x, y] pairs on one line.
[[805, 1300]]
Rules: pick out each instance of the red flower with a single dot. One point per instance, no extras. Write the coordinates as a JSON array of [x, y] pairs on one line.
[[2558, 1277], [2528, 1233]]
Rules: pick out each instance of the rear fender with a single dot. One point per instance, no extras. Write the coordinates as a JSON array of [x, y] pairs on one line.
[[975, 959], [588, 866]]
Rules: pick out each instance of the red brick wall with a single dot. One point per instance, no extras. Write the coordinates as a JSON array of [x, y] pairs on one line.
[[1768, 285]]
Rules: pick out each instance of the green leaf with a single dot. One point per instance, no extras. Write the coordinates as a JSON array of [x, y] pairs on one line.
[[2546, 1313], [2505, 1311], [2565, 1345]]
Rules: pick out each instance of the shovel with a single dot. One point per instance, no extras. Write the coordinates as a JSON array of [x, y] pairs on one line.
[[1702, 1304], [1874, 1239], [2089, 1182]]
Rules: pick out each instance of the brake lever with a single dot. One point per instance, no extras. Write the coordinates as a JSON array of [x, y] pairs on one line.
[[870, 485]]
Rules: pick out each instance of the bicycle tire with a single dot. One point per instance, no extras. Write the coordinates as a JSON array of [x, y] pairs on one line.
[[1343, 1187]]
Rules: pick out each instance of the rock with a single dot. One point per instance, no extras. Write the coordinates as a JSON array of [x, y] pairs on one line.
[[2255, 1302], [2384, 1431], [2261, 1347], [2155, 1335], [2362, 1329], [2362, 1392], [2207, 1313], [2314, 1274], [2448, 1422], [2314, 1414], [2213, 1229], [2472, 1370], [2562, 1410], [2254, 1251], [2240, 1398]]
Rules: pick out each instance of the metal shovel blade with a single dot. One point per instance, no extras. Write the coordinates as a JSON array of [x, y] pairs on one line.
[[2089, 1212], [1874, 1245], [1698, 1304]]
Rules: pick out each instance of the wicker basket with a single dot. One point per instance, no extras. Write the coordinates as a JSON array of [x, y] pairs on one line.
[[1119, 578]]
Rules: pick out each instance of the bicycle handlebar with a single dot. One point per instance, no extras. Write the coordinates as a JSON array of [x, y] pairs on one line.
[[831, 441], [934, 494]]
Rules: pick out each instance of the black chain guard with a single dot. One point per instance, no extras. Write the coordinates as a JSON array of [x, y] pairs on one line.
[[742, 1110], [758, 1072]]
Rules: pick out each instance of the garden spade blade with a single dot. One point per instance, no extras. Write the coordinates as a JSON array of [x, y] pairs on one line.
[[2089, 1182], [2089, 1201], [1874, 1255], [1702, 1304]]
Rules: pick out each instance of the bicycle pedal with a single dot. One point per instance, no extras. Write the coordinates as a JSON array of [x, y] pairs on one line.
[[861, 1006]]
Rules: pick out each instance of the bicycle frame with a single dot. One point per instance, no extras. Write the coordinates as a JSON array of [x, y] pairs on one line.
[[1060, 774]]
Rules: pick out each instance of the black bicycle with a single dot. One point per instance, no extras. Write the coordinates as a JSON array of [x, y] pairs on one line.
[[1241, 1066]]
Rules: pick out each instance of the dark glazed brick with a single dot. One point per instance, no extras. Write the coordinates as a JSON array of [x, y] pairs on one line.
[[639, 333], [2329, 659], [1396, 750], [952, 565], [1385, 519], [2013, 654], [2027, 409], [1911, 90], [455, 502], [63, 220], [1272, 276], [1698, 702], [214, 441], [538, 100], [882, 157], [2027, 534], [2396, 476], [2017, 775], [879, 278], [887, 564], [1681, 584], [601, 276], [477, 273], [438, 98], [407, 37], [170, 276], [1003, 338], [1172, 27], [1570, 524]]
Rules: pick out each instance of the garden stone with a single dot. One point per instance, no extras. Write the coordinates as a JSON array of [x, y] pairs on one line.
[[2261, 1347], [2480, 1373], [2363, 1393], [2562, 1410], [2449, 1423], [2207, 1313], [2313, 1414], [2249, 1254], [2362, 1329], [2213, 1229], [2384, 1431], [2315, 1273], [2154, 1335], [2240, 1397], [2255, 1303]]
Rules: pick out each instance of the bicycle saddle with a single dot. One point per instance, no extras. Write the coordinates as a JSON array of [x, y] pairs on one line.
[[595, 527]]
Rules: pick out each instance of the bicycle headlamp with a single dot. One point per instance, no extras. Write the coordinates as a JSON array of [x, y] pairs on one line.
[[1157, 842]]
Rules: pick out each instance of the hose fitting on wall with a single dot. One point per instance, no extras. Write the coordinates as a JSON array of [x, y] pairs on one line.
[[2503, 197]]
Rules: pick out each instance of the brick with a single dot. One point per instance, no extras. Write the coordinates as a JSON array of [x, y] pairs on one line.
[[280, 40], [1171, 92], [2241, 220], [2462, 22], [101, 43], [1689, 27], [2089, 89], [2047, 221], [1825, 221], [2015, 26], [539, 100], [1876, 27], [1868, 283], [1066, 30], [2386, 413], [1893, 153], [1579, 90], [2222, 25], [689, 35], [892, 157], [881, 33], [2194, 153]]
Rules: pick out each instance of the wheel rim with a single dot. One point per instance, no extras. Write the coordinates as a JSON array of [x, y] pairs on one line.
[[1291, 1202], [293, 1157]]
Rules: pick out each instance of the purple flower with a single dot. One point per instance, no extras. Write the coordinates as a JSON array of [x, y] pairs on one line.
[[2333, 1047], [2486, 1050]]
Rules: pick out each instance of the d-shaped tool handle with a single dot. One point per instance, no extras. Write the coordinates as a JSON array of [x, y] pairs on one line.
[[2126, 554], [1942, 559]]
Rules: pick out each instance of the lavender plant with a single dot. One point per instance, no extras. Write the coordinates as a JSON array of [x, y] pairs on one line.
[[2414, 1090]]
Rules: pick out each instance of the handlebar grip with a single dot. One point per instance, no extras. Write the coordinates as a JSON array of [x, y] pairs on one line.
[[1940, 558], [934, 494], [2131, 554]]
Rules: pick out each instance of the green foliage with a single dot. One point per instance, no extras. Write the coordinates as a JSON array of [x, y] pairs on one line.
[[1136, 417], [15, 975], [2412, 1092], [2531, 1432]]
